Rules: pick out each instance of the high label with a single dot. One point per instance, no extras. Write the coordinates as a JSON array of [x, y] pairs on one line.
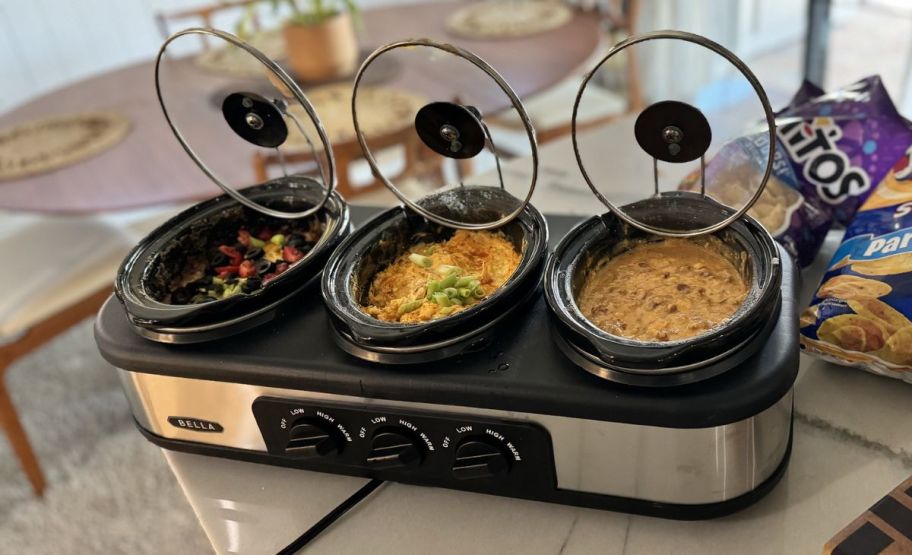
[[195, 424]]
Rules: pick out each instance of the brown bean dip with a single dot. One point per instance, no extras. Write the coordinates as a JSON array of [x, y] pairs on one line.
[[662, 291]]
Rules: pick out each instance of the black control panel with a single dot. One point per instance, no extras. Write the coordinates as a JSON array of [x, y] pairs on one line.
[[464, 452]]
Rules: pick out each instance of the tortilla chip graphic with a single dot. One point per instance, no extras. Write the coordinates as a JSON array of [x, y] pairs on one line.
[[898, 348], [869, 335], [808, 316], [896, 264], [853, 287], [888, 317], [852, 338]]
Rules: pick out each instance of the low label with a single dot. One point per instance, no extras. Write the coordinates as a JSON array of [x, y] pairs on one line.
[[195, 424]]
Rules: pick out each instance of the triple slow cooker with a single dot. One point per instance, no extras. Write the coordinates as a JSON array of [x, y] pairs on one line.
[[494, 400]]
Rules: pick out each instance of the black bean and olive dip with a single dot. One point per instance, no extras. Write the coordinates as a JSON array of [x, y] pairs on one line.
[[240, 260]]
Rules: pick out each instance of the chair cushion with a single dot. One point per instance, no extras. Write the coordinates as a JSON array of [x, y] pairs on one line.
[[52, 263]]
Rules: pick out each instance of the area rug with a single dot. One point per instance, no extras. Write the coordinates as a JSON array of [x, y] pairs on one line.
[[109, 491]]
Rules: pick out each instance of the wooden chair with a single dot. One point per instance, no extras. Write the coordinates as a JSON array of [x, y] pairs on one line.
[[419, 161], [79, 257], [204, 14], [550, 110], [35, 337]]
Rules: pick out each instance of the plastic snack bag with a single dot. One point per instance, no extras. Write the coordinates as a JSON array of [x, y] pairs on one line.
[[861, 314], [831, 149]]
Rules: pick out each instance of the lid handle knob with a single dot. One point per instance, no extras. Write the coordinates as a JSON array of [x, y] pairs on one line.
[[673, 131], [451, 129], [255, 119]]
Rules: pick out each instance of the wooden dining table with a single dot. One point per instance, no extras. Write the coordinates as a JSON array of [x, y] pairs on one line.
[[149, 167]]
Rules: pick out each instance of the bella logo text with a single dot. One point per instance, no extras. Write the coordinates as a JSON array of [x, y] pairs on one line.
[[195, 424]]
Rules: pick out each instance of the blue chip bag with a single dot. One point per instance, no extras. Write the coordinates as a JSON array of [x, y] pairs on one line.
[[861, 314]]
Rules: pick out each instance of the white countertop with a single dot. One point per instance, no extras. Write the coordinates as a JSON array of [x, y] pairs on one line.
[[852, 444]]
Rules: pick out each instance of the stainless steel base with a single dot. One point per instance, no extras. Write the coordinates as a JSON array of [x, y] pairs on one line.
[[671, 465]]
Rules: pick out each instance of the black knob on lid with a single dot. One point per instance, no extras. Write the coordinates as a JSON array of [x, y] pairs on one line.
[[311, 438], [450, 129], [479, 457], [391, 448], [255, 119], [673, 131]]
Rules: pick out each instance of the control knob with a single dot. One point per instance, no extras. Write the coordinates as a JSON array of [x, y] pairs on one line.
[[312, 438], [480, 457], [392, 448]]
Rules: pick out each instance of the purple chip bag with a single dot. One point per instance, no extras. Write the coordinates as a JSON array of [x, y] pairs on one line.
[[832, 147], [842, 143]]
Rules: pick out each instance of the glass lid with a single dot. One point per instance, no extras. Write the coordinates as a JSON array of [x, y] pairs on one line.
[[441, 124], [242, 130], [658, 162]]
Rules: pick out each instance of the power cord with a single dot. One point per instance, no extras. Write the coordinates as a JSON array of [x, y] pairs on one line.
[[330, 518]]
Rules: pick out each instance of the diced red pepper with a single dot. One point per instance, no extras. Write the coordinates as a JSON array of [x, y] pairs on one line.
[[223, 271], [244, 237], [265, 234], [232, 253], [269, 277], [291, 254], [247, 269], [280, 267]]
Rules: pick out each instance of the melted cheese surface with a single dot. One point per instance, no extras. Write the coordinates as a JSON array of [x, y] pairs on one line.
[[662, 291]]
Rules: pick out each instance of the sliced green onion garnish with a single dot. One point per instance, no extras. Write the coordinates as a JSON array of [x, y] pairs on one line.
[[465, 292], [446, 311], [409, 306], [442, 299], [464, 281], [446, 269], [433, 286], [449, 281], [451, 292], [421, 260], [479, 292]]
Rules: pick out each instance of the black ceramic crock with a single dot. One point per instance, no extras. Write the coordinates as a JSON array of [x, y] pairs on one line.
[[451, 131], [217, 133], [676, 132], [347, 278], [747, 244], [135, 283]]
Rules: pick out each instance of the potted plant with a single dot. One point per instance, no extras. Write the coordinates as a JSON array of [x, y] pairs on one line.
[[320, 39]]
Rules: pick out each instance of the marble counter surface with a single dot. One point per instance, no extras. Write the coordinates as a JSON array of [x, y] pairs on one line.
[[852, 444]]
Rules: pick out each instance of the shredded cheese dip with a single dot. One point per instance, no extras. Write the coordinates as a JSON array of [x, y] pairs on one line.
[[434, 280], [662, 291]]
